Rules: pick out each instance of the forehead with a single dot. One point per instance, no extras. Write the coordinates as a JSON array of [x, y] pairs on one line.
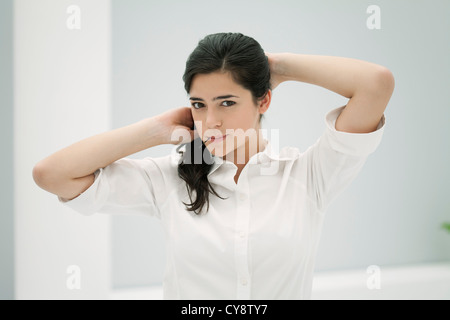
[[214, 84]]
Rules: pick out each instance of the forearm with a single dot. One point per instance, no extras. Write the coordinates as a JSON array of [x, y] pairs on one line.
[[86, 156], [344, 76]]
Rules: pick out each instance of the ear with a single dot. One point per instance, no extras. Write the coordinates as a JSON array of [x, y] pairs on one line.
[[264, 103]]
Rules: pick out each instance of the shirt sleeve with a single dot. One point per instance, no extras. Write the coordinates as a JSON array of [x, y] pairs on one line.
[[127, 186], [336, 159]]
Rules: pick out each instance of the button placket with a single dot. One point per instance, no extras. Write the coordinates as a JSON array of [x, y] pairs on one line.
[[241, 238], [242, 197]]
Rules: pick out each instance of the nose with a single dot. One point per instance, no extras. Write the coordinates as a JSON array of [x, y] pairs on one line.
[[212, 119]]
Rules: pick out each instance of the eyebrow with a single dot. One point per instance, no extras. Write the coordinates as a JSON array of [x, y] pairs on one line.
[[216, 98]]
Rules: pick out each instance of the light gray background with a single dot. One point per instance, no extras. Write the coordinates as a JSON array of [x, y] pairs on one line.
[[6, 160], [392, 212]]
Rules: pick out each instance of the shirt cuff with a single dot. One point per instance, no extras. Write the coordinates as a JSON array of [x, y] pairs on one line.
[[92, 199], [355, 144]]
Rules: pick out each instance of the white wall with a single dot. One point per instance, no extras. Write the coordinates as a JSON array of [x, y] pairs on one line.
[[392, 212], [62, 94]]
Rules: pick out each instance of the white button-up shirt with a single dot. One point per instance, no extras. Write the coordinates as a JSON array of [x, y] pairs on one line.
[[258, 243]]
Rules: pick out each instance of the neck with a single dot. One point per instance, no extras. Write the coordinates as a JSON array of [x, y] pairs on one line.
[[248, 149]]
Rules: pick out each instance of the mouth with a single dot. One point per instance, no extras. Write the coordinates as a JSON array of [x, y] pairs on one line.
[[216, 139]]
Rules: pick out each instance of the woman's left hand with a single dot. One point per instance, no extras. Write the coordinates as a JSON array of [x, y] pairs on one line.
[[276, 70]]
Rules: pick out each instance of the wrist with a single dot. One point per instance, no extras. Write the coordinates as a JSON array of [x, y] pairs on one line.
[[281, 64], [156, 132]]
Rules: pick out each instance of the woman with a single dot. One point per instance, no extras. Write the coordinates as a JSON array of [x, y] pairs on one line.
[[241, 221]]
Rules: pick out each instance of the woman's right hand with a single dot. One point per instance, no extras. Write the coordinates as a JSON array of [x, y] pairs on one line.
[[177, 125]]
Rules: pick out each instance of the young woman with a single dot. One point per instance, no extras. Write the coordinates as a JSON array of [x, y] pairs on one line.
[[241, 220]]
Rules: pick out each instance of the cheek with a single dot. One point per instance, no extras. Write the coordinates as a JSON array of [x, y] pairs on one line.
[[199, 125], [245, 121]]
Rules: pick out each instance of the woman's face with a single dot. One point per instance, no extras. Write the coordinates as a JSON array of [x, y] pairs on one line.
[[221, 107]]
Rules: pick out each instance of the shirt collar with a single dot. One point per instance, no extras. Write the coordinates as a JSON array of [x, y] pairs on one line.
[[264, 156], [267, 155]]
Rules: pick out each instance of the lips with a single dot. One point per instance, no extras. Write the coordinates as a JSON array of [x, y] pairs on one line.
[[216, 139]]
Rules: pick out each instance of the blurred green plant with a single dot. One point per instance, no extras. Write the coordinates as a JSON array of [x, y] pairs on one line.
[[446, 226]]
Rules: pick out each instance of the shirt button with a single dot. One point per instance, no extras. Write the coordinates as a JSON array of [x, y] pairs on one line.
[[242, 234], [244, 282], [243, 197]]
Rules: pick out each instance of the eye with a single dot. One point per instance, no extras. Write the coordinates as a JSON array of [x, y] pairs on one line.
[[200, 105], [229, 103]]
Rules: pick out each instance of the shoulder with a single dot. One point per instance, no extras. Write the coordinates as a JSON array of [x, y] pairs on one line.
[[165, 164]]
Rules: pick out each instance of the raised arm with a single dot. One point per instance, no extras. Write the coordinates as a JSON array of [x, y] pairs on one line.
[[70, 171], [368, 86]]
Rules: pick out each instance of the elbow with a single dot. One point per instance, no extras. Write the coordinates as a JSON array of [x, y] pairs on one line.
[[41, 175], [378, 84], [384, 81], [48, 179]]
